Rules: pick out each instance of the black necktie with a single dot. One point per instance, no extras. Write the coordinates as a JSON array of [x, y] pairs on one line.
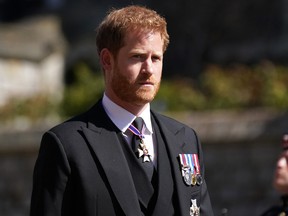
[[148, 166]]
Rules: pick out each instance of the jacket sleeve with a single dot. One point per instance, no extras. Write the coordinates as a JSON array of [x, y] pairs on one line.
[[50, 177]]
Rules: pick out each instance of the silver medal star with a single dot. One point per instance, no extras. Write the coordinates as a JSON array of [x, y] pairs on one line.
[[143, 152], [194, 209]]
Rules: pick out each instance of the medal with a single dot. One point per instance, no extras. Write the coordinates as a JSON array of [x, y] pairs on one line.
[[187, 168], [190, 169], [199, 179], [194, 209], [143, 152], [187, 176], [142, 149], [193, 179], [196, 163]]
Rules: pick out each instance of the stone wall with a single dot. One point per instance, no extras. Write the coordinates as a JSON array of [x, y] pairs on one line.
[[240, 149], [32, 59]]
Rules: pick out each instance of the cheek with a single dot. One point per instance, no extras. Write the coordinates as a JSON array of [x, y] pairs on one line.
[[158, 71], [128, 70], [159, 75]]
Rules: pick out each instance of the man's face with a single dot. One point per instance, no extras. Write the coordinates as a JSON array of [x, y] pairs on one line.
[[136, 71], [281, 174]]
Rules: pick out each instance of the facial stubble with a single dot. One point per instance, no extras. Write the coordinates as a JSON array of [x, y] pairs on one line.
[[131, 91]]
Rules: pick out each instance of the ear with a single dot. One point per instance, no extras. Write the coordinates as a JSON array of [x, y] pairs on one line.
[[106, 59]]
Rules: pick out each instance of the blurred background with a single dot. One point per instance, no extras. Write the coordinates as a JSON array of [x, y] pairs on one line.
[[225, 74]]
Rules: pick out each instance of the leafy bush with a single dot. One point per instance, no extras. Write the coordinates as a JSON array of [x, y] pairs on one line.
[[230, 87], [219, 87], [33, 108], [83, 92], [179, 95]]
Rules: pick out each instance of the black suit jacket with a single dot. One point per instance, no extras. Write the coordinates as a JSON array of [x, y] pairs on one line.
[[81, 169]]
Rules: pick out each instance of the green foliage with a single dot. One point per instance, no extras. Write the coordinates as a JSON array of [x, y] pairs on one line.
[[238, 86], [230, 87], [274, 89], [179, 95], [83, 92], [33, 108]]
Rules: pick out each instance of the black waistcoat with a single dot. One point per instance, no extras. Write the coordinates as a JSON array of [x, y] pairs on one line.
[[162, 201]]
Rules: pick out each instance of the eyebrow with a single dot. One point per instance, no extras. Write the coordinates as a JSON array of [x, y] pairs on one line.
[[140, 51]]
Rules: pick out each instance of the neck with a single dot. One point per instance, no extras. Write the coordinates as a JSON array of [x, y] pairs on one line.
[[134, 108]]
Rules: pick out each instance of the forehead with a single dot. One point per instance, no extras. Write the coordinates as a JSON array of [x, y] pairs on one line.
[[143, 37]]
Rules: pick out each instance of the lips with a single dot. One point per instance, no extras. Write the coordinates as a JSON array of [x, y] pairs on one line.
[[146, 83]]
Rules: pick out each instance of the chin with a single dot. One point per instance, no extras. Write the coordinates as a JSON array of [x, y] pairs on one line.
[[147, 95], [148, 99], [143, 101]]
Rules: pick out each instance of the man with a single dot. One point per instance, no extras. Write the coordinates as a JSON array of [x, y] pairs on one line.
[[102, 163], [280, 181]]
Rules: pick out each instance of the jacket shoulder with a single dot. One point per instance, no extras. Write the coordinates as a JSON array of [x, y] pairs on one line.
[[170, 122], [77, 122]]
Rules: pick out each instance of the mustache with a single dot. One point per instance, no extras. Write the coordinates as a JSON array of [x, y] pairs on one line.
[[146, 78]]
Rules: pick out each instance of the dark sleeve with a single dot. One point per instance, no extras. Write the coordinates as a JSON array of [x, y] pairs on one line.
[[50, 177]]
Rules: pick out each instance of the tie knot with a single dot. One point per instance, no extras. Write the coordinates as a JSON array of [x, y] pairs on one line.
[[138, 123]]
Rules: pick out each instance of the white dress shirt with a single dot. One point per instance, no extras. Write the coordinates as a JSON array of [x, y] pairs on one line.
[[123, 119]]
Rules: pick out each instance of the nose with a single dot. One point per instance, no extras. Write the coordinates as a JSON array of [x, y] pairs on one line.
[[147, 66]]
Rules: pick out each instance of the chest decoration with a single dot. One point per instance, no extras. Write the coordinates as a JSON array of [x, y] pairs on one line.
[[143, 152], [141, 147], [190, 169], [194, 209]]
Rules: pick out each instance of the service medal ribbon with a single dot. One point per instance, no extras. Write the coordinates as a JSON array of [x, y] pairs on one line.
[[187, 168], [190, 169], [142, 149], [198, 177], [196, 163], [135, 131]]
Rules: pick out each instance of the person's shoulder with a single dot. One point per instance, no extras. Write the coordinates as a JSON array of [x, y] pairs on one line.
[[188, 134], [171, 122], [76, 122], [73, 122], [167, 119], [68, 129]]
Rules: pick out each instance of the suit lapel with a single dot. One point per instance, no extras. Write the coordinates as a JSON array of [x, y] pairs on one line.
[[175, 145], [102, 138], [106, 146], [163, 205]]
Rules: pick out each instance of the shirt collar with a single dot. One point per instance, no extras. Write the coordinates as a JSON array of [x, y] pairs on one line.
[[122, 118]]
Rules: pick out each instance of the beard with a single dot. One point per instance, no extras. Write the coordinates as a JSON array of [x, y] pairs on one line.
[[130, 91]]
